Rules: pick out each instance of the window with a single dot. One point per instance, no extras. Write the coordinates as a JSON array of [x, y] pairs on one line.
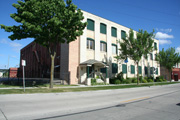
[[151, 70], [124, 68], [156, 71], [90, 25], [123, 34], [140, 69], [90, 44], [113, 32], [114, 49], [114, 68], [155, 45], [151, 56], [103, 46], [103, 70], [132, 69], [102, 28], [146, 70], [155, 56]]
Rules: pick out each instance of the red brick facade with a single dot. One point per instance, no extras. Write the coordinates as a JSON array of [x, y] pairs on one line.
[[38, 61], [176, 74]]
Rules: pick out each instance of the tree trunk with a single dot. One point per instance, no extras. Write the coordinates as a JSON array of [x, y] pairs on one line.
[[170, 75], [137, 73], [52, 71]]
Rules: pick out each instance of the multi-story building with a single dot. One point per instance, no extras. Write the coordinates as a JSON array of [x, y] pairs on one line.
[[92, 54]]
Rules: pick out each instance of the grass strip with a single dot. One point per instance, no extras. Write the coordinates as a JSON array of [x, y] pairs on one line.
[[77, 89]]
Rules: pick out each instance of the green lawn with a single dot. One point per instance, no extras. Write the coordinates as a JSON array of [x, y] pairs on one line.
[[58, 90]]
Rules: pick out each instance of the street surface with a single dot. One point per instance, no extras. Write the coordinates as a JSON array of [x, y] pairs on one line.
[[146, 103]]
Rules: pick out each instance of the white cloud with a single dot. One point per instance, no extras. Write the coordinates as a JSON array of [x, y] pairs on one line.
[[162, 42], [160, 35], [178, 49], [4, 41], [164, 30], [16, 46]]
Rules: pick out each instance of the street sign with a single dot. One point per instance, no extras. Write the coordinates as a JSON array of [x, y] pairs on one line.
[[23, 62], [126, 61]]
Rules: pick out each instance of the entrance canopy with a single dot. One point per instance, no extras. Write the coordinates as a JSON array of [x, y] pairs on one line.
[[93, 62]]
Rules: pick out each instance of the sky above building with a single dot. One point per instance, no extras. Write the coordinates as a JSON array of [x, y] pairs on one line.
[[161, 15]]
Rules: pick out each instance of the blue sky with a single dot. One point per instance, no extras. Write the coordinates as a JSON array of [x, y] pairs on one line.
[[161, 15]]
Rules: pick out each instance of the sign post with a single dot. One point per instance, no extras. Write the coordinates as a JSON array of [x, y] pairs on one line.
[[23, 64]]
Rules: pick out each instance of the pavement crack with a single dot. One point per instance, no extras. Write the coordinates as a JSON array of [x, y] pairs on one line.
[[3, 114]]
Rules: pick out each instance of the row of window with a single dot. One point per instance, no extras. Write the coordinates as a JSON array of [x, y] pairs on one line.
[[103, 29], [103, 46], [124, 69]]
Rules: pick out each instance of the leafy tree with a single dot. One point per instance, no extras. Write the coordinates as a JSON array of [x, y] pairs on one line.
[[168, 58], [49, 22], [135, 48]]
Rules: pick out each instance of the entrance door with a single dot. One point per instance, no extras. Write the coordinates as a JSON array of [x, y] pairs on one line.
[[176, 77]]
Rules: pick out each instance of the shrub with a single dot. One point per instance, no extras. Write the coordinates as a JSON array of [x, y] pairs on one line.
[[128, 81], [164, 80], [144, 81], [149, 80], [140, 78], [93, 81], [97, 77], [146, 78], [159, 80], [161, 77], [123, 81], [120, 76], [112, 80], [117, 81], [134, 80]]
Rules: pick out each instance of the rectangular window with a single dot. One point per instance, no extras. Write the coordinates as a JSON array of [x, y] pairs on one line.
[[151, 70], [102, 28], [124, 68], [132, 69], [123, 34], [103, 46], [103, 70], [155, 45], [114, 68], [156, 71], [146, 70], [151, 56], [113, 32], [114, 49], [140, 69], [90, 44], [90, 25]]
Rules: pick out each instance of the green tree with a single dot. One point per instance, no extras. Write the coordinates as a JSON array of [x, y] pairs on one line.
[[135, 48], [168, 58], [49, 22]]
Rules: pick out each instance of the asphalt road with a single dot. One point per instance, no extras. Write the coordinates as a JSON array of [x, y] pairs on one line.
[[154, 103]]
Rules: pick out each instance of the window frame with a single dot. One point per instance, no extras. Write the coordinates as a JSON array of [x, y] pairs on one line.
[[102, 48], [114, 45], [102, 27], [90, 26], [124, 68], [88, 44], [123, 33], [132, 69], [113, 32]]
